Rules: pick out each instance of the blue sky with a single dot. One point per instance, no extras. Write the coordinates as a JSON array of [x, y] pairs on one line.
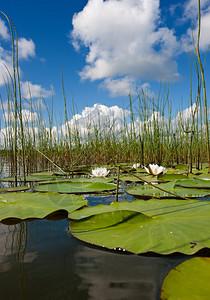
[[106, 48]]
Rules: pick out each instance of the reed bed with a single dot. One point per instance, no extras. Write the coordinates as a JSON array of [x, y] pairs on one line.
[[149, 134]]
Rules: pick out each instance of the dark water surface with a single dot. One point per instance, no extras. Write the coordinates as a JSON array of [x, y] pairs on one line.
[[41, 260]]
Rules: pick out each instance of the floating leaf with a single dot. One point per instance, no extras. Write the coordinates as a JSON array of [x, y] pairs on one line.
[[37, 205], [76, 187], [194, 183], [148, 191], [205, 176], [92, 179], [48, 174], [171, 177], [189, 280], [79, 179], [148, 178], [28, 178], [14, 189], [163, 227]]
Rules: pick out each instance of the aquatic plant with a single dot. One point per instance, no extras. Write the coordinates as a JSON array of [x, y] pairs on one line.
[[100, 172], [155, 170]]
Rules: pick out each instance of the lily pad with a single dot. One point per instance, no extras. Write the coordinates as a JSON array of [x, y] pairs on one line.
[[172, 177], [194, 183], [189, 280], [48, 174], [205, 176], [76, 187], [163, 227], [14, 189], [148, 191], [149, 178], [92, 179], [28, 178], [37, 205], [79, 179]]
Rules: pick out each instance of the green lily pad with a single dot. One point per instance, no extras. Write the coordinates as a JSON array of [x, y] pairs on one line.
[[181, 167], [78, 179], [37, 205], [28, 178], [92, 179], [14, 189], [48, 174], [172, 177], [195, 183], [189, 280], [205, 176], [148, 191], [163, 227], [148, 178], [76, 187]]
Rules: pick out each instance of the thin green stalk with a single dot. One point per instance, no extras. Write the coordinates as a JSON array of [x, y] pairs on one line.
[[204, 87]]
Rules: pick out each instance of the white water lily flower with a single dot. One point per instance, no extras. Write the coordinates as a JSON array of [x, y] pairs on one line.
[[100, 172], [135, 166], [155, 169]]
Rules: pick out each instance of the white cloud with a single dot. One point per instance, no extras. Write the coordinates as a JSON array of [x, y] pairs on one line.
[[191, 12], [99, 116], [7, 105], [119, 87], [4, 33], [123, 38], [27, 116], [191, 8], [186, 115], [26, 48], [30, 90], [5, 65]]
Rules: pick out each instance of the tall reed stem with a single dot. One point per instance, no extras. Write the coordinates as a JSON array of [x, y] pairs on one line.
[[204, 86]]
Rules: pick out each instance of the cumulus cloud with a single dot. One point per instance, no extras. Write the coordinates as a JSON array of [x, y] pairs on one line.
[[191, 13], [124, 38], [185, 117], [191, 8], [98, 116], [30, 90], [27, 116], [5, 65], [26, 48], [119, 87], [7, 105], [4, 33]]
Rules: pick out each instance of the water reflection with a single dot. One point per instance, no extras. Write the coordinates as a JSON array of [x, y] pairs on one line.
[[43, 261], [114, 276]]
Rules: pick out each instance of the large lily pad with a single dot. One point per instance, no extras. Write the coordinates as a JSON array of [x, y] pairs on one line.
[[189, 280], [79, 179], [163, 227], [76, 187], [14, 189], [172, 177], [204, 176], [34, 178], [149, 191], [37, 205], [194, 183], [49, 174], [142, 178]]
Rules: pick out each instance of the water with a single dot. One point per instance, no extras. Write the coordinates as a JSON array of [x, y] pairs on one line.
[[40, 259]]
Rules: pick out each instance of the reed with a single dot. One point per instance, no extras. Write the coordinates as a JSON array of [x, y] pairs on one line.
[[149, 136]]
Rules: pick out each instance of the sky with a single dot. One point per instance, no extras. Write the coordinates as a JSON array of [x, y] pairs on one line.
[[107, 49]]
